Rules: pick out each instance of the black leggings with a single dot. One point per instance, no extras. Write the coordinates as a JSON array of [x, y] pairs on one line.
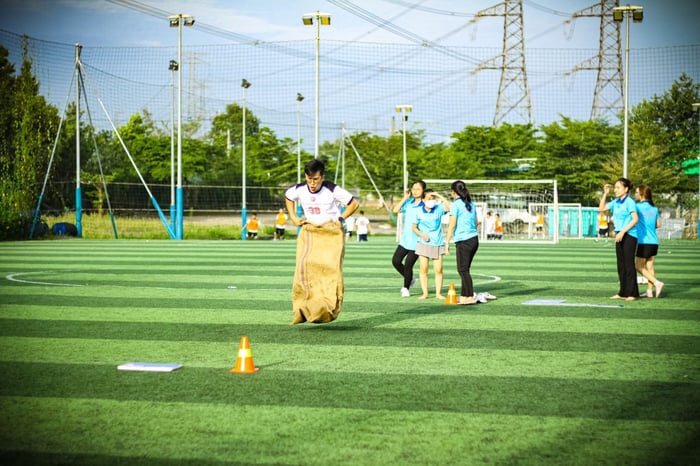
[[465, 254], [626, 271], [405, 269]]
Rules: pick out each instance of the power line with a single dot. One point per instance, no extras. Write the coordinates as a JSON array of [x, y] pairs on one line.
[[162, 14], [417, 6], [399, 31]]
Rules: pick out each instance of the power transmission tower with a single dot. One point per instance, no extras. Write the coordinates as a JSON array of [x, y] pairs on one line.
[[607, 99], [513, 91]]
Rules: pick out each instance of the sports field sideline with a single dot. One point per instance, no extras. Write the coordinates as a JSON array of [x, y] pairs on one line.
[[576, 379]]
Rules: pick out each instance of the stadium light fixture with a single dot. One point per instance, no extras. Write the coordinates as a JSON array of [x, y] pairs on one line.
[[637, 14], [173, 67], [325, 20], [179, 21], [404, 110], [245, 84]]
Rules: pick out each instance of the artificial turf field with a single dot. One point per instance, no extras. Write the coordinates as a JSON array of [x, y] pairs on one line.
[[392, 381]]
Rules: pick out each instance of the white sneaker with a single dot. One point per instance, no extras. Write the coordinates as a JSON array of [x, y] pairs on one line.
[[659, 286], [405, 293]]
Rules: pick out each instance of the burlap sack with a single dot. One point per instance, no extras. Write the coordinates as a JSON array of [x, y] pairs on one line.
[[317, 292]]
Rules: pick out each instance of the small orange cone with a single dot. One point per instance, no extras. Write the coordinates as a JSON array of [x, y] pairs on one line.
[[451, 295], [244, 361]]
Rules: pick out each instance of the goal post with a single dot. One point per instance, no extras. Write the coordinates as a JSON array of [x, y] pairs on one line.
[[517, 203], [571, 222]]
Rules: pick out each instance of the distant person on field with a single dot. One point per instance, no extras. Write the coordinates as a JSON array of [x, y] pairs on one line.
[[431, 241], [252, 226], [280, 225], [539, 224], [490, 225], [462, 230], [317, 291], [647, 239], [625, 218], [497, 226], [405, 257], [362, 224], [603, 226], [349, 227]]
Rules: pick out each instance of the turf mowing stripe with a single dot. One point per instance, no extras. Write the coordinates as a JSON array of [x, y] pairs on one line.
[[540, 396], [256, 314], [245, 315], [365, 360], [386, 437], [368, 330], [271, 435], [555, 324], [356, 301]]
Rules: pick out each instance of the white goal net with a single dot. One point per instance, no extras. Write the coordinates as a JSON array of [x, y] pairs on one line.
[[524, 208]]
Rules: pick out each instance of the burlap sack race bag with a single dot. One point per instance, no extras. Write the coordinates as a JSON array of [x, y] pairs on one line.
[[317, 292]]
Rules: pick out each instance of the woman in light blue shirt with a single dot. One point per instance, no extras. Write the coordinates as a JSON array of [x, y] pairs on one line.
[[405, 257], [625, 218], [431, 242], [462, 230], [647, 239]]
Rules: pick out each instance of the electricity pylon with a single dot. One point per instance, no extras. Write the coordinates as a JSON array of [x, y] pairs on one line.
[[513, 91], [607, 98]]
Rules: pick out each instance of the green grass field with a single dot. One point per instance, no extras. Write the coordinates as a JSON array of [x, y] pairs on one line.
[[394, 381]]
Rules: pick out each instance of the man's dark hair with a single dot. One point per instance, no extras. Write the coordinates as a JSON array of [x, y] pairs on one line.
[[315, 166]]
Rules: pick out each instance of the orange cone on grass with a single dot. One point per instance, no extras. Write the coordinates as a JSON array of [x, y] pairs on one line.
[[451, 295], [244, 361]]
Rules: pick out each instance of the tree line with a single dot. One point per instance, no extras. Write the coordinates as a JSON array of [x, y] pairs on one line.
[[580, 155]]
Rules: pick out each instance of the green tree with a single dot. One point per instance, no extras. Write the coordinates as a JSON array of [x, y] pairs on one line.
[[484, 152], [664, 134], [29, 130], [575, 153], [225, 139]]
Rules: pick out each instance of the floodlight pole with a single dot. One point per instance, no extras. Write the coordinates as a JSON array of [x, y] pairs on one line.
[[300, 99], [696, 107], [78, 192], [245, 85], [404, 110], [173, 67], [179, 21], [308, 20], [619, 13]]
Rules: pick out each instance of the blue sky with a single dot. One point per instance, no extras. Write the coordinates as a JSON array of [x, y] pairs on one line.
[[445, 97], [124, 23]]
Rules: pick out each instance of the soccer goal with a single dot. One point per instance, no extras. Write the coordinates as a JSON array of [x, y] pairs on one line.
[[515, 205]]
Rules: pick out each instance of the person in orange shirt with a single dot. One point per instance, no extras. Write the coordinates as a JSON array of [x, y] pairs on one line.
[[498, 227], [602, 226], [280, 225], [539, 226], [252, 226]]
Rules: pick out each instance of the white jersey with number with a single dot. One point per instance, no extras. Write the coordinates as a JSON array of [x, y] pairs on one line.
[[322, 206]]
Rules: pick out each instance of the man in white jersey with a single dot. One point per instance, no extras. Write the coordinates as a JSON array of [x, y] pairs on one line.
[[317, 295]]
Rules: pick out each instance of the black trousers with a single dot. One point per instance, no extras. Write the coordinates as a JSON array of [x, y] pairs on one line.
[[405, 268], [466, 250], [626, 271]]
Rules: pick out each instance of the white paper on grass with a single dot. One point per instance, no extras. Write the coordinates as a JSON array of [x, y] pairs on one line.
[[148, 367]]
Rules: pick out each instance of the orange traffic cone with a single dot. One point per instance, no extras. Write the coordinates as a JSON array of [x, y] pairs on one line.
[[244, 361], [451, 295]]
